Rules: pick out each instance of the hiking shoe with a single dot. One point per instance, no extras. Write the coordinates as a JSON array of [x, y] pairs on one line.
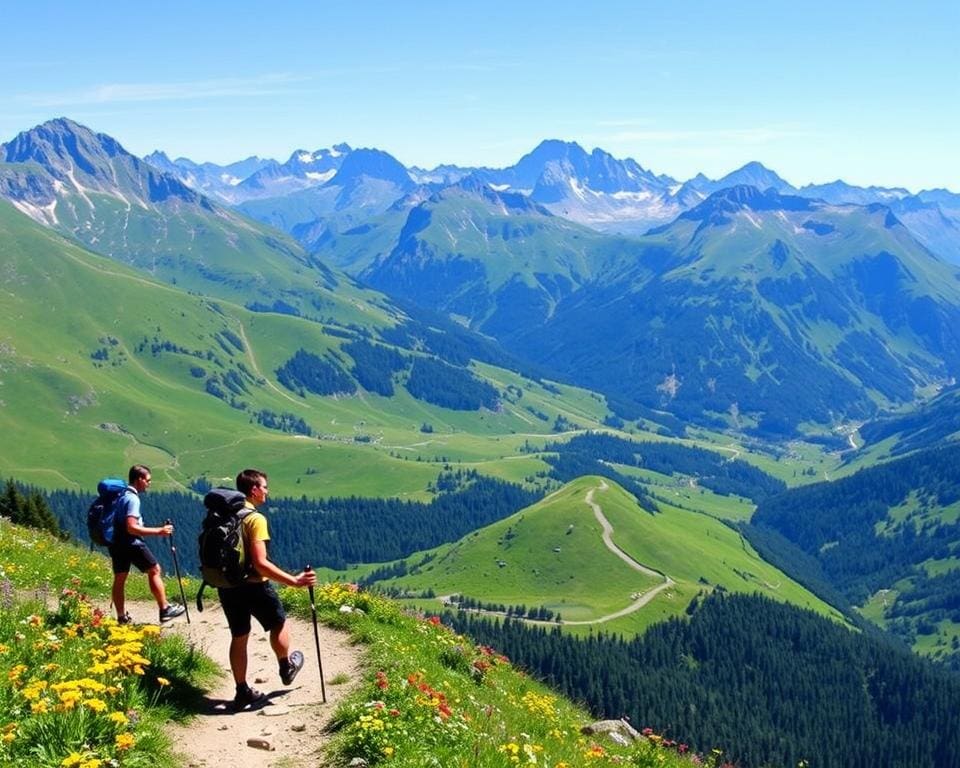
[[289, 671], [125, 619], [171, 612], [248, 697]]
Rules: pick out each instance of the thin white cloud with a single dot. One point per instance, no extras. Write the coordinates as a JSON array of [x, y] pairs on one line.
[[115, 93]]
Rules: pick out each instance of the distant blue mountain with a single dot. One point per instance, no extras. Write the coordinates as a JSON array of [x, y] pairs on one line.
[[362, 164], [752, 174]]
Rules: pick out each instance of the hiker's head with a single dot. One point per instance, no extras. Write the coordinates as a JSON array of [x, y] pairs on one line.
[[252, 483], [139, 477]]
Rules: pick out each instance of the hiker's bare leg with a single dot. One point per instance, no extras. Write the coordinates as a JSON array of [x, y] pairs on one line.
[[156, 586], [280, 641], [119, 583], [238, 658]]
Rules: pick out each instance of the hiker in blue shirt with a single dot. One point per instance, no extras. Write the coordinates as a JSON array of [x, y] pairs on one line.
[[129, 548]]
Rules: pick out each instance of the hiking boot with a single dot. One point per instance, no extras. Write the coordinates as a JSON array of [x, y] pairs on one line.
[[247, 697], [125, 619], [171, 612], [289, 670]]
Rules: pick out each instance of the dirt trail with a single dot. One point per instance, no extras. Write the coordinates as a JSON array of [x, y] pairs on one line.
[[293, 720], [607, 534], [643, 599]]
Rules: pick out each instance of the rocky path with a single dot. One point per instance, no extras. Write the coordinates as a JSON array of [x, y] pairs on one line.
[[289, 730]]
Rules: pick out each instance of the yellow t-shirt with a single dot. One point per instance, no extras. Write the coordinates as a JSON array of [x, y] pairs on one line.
[[254, 529]]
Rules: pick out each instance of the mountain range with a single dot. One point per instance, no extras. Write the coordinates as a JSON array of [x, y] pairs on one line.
[[755, 306], [595, 189], [429, 346]]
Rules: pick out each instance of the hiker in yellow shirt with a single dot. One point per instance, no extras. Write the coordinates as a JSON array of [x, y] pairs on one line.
[[257, 598]]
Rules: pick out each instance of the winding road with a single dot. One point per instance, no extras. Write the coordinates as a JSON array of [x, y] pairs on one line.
[[607, 529], [646, 597]]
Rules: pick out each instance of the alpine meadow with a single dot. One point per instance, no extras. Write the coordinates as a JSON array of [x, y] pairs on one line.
[[598, 460]]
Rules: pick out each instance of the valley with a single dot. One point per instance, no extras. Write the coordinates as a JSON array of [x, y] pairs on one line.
[[566, 399]]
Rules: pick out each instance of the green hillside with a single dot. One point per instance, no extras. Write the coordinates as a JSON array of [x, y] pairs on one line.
[[427, 694], [887, 537], [552, 555], [764, 313], [450, 701], [495, 260], [103, 366], [899, 433]]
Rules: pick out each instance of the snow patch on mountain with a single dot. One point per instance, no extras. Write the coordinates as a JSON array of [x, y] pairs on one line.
[[42, 214]]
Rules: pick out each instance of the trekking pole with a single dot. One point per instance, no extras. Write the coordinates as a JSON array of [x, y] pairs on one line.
[[316, 636], [176, 568]]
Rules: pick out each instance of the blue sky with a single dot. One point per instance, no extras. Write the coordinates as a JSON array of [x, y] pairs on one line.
[[867, 92]]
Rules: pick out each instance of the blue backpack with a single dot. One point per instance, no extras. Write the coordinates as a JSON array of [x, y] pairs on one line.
[[100, 520]]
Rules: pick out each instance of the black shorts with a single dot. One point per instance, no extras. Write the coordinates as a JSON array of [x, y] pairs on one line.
[[258, 600], [132, 553]]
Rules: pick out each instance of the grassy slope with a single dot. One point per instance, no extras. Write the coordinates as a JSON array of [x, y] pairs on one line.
[[462, 707], [69, 417], [584, 580]]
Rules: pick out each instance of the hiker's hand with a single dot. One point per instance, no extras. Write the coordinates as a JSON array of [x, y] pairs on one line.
[[306, 579], [166, 530]]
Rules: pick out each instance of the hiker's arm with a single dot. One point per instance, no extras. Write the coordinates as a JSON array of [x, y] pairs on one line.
[[142, 530], [258, 556]]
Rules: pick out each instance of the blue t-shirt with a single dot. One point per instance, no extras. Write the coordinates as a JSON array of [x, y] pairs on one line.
[[127, 505]]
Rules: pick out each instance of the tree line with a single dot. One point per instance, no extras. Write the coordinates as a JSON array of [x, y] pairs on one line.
[[333, 532], [840, 536], [719, 473], [29, 507], [768, 683]]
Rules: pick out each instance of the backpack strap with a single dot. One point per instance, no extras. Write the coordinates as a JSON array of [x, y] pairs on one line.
[[241, 515], [120, 534]]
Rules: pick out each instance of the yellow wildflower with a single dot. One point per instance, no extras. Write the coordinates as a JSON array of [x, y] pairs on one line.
[[97, 705], [162, 681], [91, 685], [74, 758], [32, 691], [119, 718], [125, 741]]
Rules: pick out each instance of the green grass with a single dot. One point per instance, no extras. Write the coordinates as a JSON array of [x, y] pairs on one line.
[[548, 555], [516, 562], [69, 417], [76, 689], [875, 609], [425, 696]]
